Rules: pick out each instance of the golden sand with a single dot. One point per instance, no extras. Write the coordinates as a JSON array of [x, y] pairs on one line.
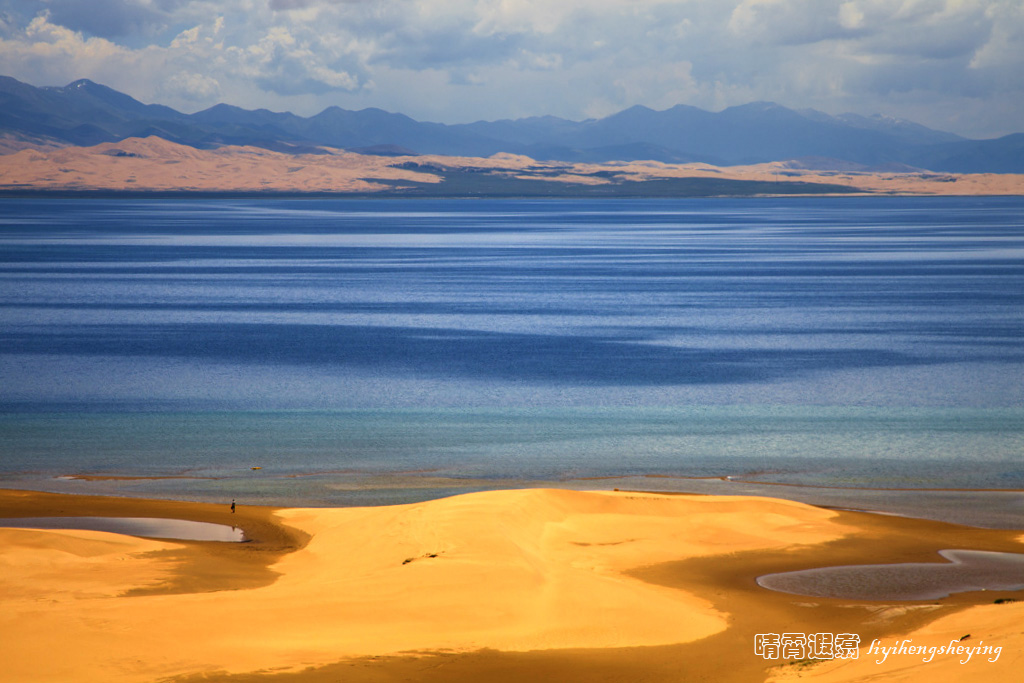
[[154, 164], [560, 585], [983, 644]]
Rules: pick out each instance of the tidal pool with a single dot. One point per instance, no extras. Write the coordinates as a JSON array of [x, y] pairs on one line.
[[964, 570], [150, 527]]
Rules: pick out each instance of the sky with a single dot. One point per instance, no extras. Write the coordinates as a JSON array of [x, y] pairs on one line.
[[954, 65]]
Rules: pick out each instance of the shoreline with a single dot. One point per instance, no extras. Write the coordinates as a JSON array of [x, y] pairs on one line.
[[7, 192], [992, 508], [155, 165], [498, 585]]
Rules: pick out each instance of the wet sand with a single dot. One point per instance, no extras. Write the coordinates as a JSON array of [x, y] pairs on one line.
[[201, 566], [500, 585], [988, 508]]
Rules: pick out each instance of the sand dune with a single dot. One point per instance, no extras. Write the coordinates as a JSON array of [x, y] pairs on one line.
[[158, 165], [513, 570], [976, 658], [154, 164], [508, 571]]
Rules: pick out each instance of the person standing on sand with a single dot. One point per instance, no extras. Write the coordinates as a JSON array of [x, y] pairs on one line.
[[232, 506]]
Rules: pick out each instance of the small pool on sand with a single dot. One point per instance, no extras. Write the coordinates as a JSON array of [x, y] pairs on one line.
[[965, 570], [150, 527]]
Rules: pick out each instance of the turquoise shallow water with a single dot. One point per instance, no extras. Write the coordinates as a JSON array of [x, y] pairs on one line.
[[456, 345], [910, 447]]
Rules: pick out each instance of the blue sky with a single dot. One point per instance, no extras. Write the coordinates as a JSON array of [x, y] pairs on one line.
[[956, 65]]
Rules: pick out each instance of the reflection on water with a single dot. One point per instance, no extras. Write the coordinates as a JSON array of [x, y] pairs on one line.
[[150, 527], [966, 570]]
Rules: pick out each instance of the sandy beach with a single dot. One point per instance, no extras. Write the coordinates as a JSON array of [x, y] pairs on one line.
[[499, 585]]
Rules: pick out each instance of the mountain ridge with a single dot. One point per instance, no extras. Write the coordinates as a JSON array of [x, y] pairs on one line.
[[87, 113]]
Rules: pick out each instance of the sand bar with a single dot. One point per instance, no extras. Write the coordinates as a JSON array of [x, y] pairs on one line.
[[499, 585]]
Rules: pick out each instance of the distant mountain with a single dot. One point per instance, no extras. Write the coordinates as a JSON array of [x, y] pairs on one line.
[[1000, 155], [906, 130], [86, 113]]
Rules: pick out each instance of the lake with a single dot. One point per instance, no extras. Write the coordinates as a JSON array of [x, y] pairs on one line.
[[375, 351]]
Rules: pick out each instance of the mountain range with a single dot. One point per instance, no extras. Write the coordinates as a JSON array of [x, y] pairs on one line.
[[87, 113]]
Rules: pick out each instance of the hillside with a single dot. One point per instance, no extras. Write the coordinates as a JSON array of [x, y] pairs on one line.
[[85, 113]]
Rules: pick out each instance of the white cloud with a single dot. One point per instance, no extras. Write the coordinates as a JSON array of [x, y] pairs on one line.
[[287, 64], [850, 16], [1006, 42], [192, 86], [460, 60], [48, 50]]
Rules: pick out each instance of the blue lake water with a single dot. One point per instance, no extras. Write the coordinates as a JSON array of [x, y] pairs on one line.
[[864, 342]]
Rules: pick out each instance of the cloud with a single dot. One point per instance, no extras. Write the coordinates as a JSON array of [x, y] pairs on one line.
[[276, 59], [107, 18], [459, 60], [192, 86], [285, 5], [46, 47], [285, 64], [928, 29], [288, 5]]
